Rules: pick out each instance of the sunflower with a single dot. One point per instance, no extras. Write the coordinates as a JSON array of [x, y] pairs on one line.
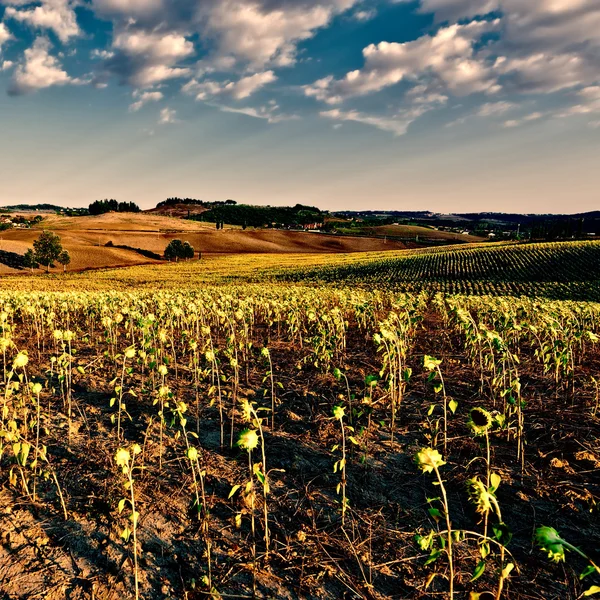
[[481, 420]]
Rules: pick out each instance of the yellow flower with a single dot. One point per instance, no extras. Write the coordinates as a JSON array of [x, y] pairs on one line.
[[429, 459], [339, 412], [122, 457], [20, 360], [248, 440]]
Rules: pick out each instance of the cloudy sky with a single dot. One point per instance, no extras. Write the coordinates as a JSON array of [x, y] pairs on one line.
[[446, 105]]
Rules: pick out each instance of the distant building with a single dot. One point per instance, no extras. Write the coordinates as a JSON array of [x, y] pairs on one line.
[[313, 226]]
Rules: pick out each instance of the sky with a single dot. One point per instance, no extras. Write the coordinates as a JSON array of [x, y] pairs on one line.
[[442, 105]]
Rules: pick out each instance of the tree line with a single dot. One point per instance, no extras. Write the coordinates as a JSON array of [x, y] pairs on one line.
[[100, 207]]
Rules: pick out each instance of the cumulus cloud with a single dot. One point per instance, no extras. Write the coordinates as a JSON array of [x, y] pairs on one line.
[[167, 116], [546, 45], [55, 15], [143, 98], [452, 10], [261, 32], [5, 34], [39, 70], [546, 73], [6, 65], [145, 59], [448, 56], [253, 33], [243, 88]]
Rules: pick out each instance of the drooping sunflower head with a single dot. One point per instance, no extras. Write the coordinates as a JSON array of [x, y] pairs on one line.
[[481, 420]]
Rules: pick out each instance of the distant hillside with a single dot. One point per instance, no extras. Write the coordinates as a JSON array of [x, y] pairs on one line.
[[33, 207]]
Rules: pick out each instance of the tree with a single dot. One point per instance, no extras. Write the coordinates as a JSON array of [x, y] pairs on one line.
[[29, 260], [64, 258], [47, 249], [187, 250], [174, 250], [178, 249]]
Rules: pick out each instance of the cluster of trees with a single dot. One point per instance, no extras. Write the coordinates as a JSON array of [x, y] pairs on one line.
[[103, 206], [261, 216], [194, 201], [178, 249], [47, 250]]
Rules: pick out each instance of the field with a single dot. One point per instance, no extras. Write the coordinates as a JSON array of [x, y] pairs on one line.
[[411, 231], [85, 238], [403, 424]]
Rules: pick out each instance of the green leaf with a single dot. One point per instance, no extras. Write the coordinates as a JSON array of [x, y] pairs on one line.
[[435, 513], [479, 570], [121, 505], [453, 405], [502, 533], [588, 571], [435, 554]]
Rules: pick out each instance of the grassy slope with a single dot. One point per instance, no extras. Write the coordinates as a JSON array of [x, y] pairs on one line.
[[85, 239], [412, 231]]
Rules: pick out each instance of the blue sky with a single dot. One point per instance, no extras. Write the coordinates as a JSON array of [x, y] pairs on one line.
[[446, 105]]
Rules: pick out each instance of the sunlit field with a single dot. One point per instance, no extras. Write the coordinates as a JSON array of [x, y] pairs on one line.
[[414, 424]]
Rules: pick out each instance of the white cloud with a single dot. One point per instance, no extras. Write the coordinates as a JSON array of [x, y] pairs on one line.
[[144, 59], [364, 15], [261, 32], [243, 88], [253, 33], [449, 56], [453, 10], [143, 98], [5, 35], [39, 70], [6, 65], [268, 113], [167, 116], [546, 45], [56, 15], [397, 124], [492, 109], [588, 103], [101, 54], [544, 72]]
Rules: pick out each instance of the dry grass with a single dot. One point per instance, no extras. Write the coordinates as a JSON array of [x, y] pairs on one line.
[[85, 238]]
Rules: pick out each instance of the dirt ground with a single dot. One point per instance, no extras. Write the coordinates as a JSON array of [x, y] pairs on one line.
[[373, 555]]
